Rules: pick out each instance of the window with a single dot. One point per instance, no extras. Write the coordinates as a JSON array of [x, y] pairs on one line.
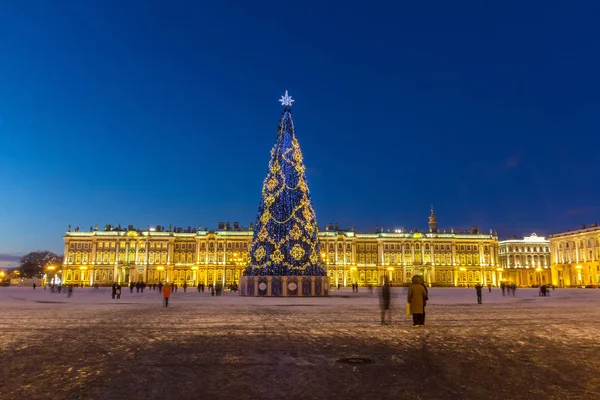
[[386, 247], [436, 247], [427, 247], [229, 245], [237, 245]]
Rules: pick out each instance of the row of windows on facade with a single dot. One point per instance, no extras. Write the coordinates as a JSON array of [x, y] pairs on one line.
[[524, 249], [572, 256], [244, 245], [363, 276], [178, 257], [155, 245], [407, 246], [572, 244]]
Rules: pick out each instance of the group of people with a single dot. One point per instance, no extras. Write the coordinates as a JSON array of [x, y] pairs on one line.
[[507, 288], [415, 302]]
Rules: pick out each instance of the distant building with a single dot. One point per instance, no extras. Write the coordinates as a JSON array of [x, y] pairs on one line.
[[576, 257], [443, 258], [526, 261]]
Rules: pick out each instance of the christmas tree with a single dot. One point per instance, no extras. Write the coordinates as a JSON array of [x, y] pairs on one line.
[[285, 241]]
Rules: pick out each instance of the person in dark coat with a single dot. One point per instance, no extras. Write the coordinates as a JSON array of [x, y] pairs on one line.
[[416, 299], [184, 287], [114, 290], [118, 291], [478, 291], [425, 301], [385, 301]]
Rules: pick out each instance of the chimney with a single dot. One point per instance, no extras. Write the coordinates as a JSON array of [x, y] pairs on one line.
[[337, 226], [236, 226], [227, 226], [221, 225]]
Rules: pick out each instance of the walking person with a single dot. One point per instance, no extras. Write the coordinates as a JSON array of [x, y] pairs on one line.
[[34, 285], [184, 287], [118, 291], [166, 293], [385, 301], [503, 287], [70, 291], [424, 301], [114, 290], [416, 299], [513, 288], [478, 291], [490, 287]]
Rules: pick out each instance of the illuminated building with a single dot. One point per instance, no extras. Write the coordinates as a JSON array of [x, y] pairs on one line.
[[525, 262], [443, 258], [576, 257]]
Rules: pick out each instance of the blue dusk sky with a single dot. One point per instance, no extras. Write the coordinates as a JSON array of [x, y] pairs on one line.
[[146, 113]]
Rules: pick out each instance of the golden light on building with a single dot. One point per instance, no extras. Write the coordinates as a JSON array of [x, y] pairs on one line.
[[202, 256]]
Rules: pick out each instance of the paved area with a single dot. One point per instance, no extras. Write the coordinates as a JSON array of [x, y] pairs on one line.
[[92, 347]]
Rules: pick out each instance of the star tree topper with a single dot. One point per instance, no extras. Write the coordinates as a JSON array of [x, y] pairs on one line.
[[286, 100]]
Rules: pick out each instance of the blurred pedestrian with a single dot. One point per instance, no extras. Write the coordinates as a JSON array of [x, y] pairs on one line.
[[424, 301], [184, 287], [118, 291], [385, 301], [478, 291], [114, 290], [166, 293], [34, 285], [416, 299], [490, 287]]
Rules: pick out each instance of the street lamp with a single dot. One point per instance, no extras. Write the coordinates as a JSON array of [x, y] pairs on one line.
[[578, 268]]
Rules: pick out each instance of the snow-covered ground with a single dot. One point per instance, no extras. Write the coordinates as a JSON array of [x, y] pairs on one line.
[[90, 346]]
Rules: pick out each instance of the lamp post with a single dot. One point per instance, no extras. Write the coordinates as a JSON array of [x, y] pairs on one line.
[[50, 275], [578, 268]]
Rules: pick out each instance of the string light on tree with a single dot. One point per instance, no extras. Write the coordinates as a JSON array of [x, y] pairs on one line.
[[285, 241]]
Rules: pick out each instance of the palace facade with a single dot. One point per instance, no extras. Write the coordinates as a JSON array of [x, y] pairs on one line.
[[202, 256], [526, 261], [576, 257]]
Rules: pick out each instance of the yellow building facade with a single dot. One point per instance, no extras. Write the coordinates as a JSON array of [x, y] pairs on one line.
[[526, 261], [202, 256], [576, 257]]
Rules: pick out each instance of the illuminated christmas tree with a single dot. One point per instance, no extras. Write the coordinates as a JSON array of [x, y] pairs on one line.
[[285, 241]]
